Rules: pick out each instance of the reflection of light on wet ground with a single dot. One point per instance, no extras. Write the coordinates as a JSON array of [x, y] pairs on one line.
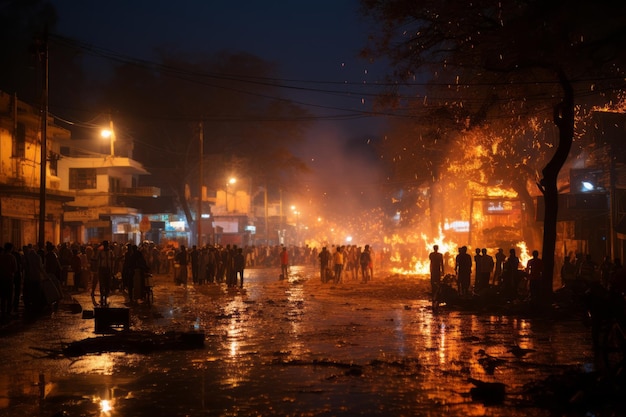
[[106, 406], [295, 298], [103, 364], [237, 332], [280, 348]]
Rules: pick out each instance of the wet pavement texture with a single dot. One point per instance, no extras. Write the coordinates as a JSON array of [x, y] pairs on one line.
[[294, 347]]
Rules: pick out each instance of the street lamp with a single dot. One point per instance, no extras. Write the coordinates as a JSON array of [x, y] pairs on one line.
[[109, 134], [231, 181]]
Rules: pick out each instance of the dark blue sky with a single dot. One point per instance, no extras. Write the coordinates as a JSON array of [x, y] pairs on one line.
[[310, 40], [316, 40]]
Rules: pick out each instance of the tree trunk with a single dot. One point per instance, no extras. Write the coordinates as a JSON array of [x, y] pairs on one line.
[[564, 120]]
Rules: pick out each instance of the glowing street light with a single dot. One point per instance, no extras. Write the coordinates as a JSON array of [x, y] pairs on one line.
[[109, 134], [231, 181]]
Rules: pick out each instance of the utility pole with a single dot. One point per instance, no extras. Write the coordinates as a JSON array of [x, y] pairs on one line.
[[43, 52], [199, 215]]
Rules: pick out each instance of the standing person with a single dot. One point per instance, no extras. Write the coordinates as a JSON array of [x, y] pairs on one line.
[[371, 265], [338, 262], [606, 269], [364, 262], [534, 271], [284, 263], [463, 270], [65, 259], [182, 258], [436, 270], [486, 267], [140, 268], [324, 257], [105, 261], [194, 256], [8, 268], [500, 258], [477, 265], [510, 274], [240, 264], [51, 262]]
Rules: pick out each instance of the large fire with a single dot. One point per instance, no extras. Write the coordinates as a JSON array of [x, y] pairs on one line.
[[418, 263]]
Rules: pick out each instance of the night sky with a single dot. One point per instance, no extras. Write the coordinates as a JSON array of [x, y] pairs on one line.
[[315, 43], [308, 40]]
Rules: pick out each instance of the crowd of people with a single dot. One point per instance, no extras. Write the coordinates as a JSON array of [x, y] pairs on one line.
[[107, 266], [38, 275], [515, 280]]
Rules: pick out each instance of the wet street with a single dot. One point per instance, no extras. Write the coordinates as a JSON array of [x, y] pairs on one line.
[[290, 348]]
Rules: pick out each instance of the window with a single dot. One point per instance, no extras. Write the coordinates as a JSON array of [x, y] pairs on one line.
[[82, 178]]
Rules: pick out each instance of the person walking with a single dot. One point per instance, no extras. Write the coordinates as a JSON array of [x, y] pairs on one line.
[[463, 270]]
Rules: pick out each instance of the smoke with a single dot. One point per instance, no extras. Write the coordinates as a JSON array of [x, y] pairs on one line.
[[343, 185]]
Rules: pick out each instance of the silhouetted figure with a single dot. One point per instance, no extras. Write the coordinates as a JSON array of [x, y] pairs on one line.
[[477, 265], [463, 270], [534, 272], [365, 260], [240, 264], [324, 257], [486, 267], [436, 270], [194, 256], [338, 262], [497, 275]]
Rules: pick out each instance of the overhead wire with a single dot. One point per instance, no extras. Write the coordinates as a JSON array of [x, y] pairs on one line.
[[187, 75]]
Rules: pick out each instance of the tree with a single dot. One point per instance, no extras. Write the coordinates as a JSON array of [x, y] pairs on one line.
[[508, 59]]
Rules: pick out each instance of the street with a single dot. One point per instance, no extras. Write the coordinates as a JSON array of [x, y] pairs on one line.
[[295, 347]]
